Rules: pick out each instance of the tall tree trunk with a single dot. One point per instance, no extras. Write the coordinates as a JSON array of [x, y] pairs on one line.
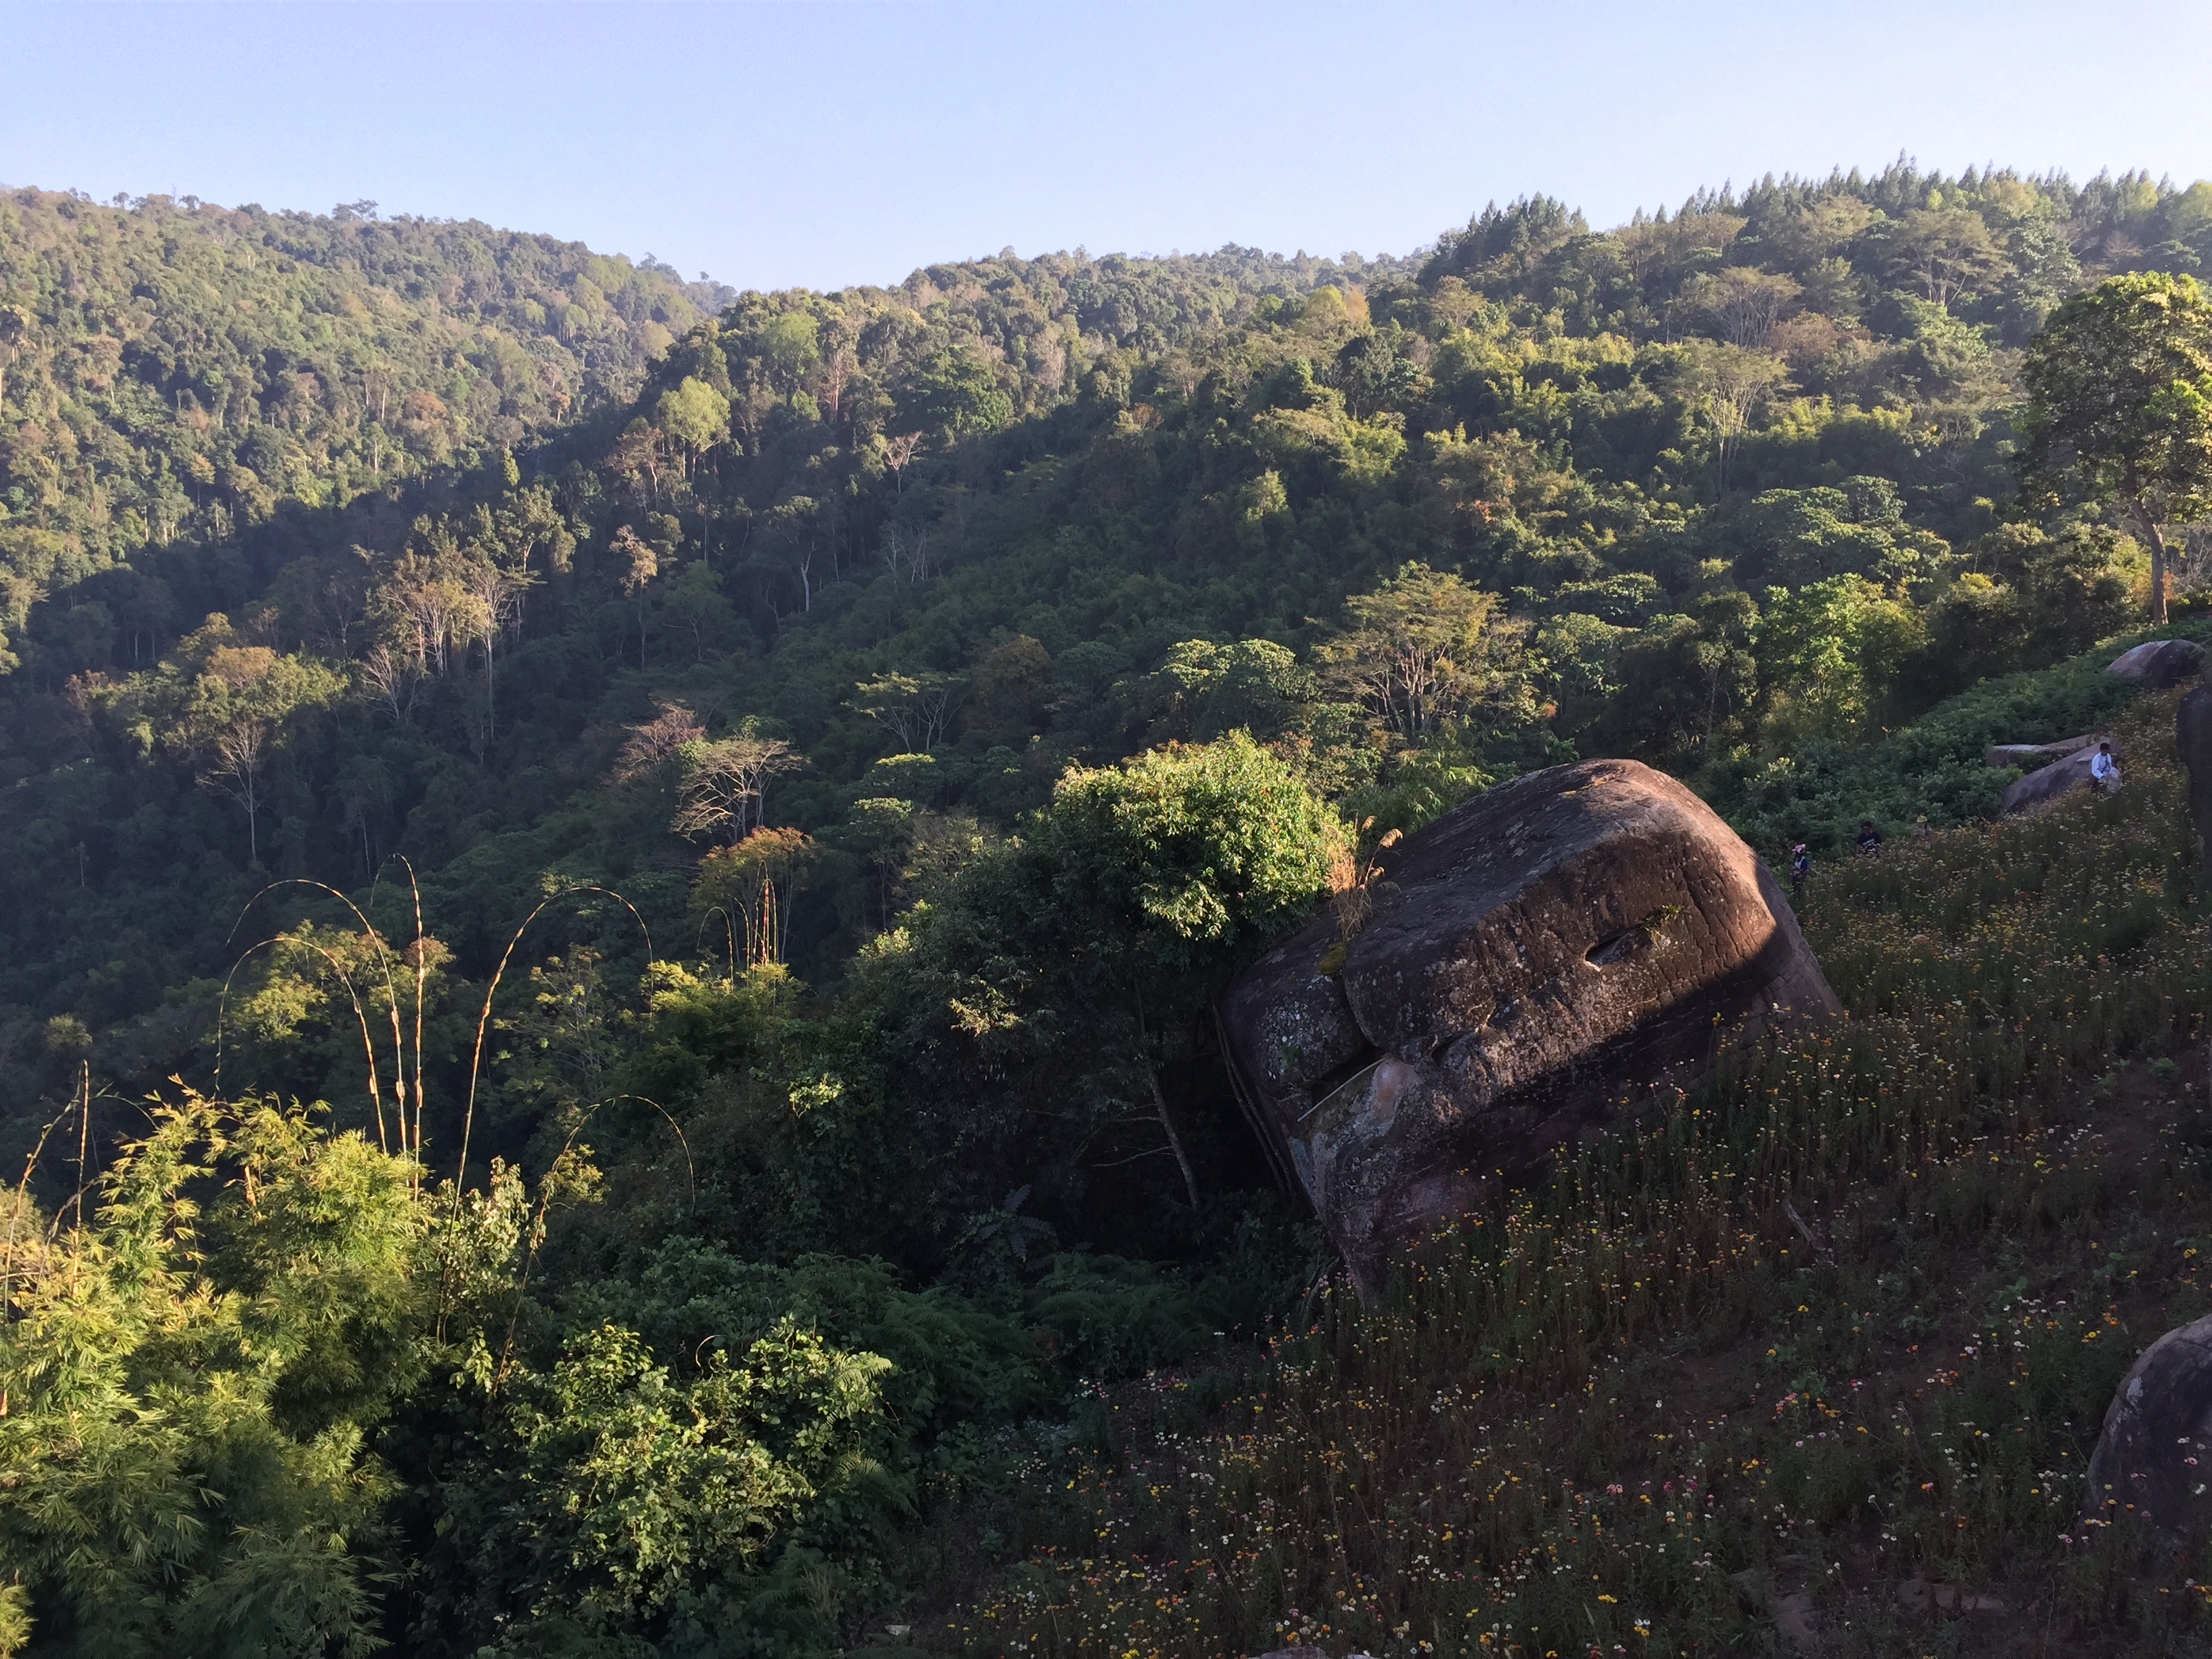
[[1160, 1106], [1174, 1140], [2147, 523]]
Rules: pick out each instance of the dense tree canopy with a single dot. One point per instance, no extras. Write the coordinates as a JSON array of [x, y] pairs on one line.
[[788, 773], [2121, 379]]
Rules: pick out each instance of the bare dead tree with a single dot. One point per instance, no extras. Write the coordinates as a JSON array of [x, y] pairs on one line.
[[395, 676], [658, 739], [725, 793], [897, 452]]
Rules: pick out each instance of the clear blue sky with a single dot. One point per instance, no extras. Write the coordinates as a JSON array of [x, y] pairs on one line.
[[837, 142]]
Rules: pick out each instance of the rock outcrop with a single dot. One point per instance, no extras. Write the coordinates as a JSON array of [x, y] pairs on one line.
[[2158, 662], [2193, 743], [2050, 784], [1535, 958], [2029, 755], [2153, 1459]]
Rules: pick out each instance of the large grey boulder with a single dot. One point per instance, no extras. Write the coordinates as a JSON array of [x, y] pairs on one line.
[[2193, 743], [1537, 959], [2029, 755], [2153, 1459], [2158, 662], [2049, 785]]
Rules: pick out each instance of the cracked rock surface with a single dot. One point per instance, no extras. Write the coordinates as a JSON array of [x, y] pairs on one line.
[[1536, 959]]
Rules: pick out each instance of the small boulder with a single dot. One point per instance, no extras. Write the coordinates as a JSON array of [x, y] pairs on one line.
[[1536, 957], [2153, 1459], [2029, 755], [2158, 662], [2193, 743], [2049, 785]]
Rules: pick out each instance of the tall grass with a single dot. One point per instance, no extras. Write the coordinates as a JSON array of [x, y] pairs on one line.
[[1844, 1316]]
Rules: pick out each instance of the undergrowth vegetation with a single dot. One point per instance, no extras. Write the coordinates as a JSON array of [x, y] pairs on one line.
[[1818, 1340]]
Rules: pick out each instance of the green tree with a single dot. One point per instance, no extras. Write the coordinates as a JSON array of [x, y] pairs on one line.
[[1423, 649], [914, 708], [1945, 252], [695, 415], [1204, 690], [193, 1377], [1188, 851], [2120, 384], [791, 345], [755, 881], [1733, 383], [1168, 866], [15, 325], [492, 568], [1793, 538], [615, 1497], [694, 604], [1830, 651], [954, 391], [234, 714], [1079, 955], [1683, 679]]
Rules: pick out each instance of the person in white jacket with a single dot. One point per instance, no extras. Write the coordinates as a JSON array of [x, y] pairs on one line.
[[2104, 770]]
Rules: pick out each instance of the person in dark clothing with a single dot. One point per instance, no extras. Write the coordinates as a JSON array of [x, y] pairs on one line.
[[1869, 838], [1801, 869]]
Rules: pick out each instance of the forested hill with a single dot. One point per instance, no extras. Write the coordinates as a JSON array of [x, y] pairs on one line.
[[468, 507], [192, 397], [175, 371]]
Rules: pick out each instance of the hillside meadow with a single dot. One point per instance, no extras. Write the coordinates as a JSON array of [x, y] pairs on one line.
[[1814, 1354]]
